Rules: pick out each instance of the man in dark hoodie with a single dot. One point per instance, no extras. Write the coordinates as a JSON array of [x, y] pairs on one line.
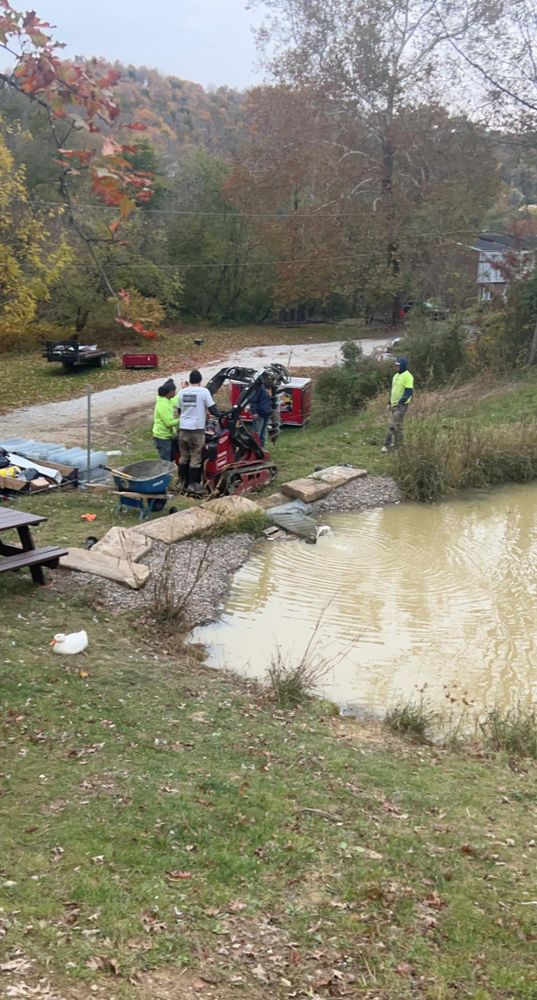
[[401, 393], [261, 407]]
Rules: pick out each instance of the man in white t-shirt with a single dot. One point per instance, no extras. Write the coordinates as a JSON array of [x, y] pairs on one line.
[[195, 401]]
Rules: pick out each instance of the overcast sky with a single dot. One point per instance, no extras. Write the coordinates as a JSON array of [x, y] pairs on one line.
[[206, 41]]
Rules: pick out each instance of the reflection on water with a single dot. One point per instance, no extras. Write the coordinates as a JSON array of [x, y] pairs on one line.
[[443, 595]]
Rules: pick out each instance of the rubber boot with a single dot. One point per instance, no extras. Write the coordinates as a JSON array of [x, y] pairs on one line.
[[194, 482], [183, 469]]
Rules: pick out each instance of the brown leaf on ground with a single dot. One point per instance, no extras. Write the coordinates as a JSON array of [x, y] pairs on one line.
[[469, 849], [102, 963], [180, 984], [259, 972], [404, 969], [236, 906], [18, 965], [434, 901], [178, 876]]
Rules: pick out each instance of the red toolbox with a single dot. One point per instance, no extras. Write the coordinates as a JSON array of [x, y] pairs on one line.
[[294, 399], [140, 360]]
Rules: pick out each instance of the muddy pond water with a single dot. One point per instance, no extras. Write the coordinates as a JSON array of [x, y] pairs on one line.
[[397, 598]]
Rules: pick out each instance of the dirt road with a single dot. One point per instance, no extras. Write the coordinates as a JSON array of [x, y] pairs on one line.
[[65, 422]]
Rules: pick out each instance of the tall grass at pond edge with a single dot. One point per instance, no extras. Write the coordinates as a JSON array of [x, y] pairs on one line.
[[442, 456]]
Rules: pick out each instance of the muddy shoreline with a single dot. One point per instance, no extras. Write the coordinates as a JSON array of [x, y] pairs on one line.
[[194, 575]]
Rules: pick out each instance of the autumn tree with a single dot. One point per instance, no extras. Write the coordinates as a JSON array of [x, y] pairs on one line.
[[372, 61], [502, 59], [78, 101], [318, 210], [286, 181], [30, 260], [212, 244], [498, 51]]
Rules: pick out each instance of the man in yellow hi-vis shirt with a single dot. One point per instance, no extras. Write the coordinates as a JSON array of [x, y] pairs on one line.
[[401, 393]]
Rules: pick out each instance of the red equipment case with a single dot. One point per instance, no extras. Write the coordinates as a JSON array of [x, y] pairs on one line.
[[140, 360], [295, 401]]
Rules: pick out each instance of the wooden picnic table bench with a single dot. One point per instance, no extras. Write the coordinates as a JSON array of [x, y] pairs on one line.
[[13, 557]]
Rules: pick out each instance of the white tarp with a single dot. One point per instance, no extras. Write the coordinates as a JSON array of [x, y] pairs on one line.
[[28, 463]]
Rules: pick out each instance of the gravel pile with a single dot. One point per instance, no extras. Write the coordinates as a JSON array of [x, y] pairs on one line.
[[359, 494], [194, 572]]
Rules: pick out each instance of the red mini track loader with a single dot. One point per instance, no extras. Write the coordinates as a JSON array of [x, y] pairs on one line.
[[234, 460]]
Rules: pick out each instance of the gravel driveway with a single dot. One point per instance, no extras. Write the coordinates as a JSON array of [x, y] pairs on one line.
[[65, 422]]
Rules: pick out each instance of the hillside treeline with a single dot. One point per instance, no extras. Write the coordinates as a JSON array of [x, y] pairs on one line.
[[318, 196]]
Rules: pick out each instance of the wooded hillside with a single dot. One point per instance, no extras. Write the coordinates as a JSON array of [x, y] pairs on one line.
[[349, 185]]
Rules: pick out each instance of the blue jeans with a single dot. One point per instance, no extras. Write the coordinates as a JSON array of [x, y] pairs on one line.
[[259, 425], [164, 447]]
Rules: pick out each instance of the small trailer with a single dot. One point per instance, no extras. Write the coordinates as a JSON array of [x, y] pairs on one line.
[[71, 354], [140, 361]]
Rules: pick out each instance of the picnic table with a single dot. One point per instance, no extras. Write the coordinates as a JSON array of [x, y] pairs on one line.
[[14, 557]]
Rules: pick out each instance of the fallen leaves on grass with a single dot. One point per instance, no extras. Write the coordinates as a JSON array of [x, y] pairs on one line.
[[102, 963], [236, 906], [18, 965], [404, 969], [152, 923], [469, 849], [178, 876]]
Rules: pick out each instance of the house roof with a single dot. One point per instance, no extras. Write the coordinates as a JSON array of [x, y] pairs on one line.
[[498, 243]]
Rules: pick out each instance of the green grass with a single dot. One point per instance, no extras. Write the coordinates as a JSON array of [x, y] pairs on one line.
[[130, 763], [415, 718], [513, 730], [513, 403]]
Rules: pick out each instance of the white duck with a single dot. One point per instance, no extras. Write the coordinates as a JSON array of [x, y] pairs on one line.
[[67, 645]]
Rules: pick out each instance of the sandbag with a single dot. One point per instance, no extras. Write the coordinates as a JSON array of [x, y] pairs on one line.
[[338, 475], [123, 543], [306, 489], [132, 574], [295, 518]]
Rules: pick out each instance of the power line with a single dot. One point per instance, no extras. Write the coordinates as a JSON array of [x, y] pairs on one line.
[[135, 264], [280, 216]]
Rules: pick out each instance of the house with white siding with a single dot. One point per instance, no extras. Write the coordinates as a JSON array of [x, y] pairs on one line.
[[498, 256]]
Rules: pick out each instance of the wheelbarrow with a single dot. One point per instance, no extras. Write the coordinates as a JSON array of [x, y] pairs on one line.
[[144, 486]]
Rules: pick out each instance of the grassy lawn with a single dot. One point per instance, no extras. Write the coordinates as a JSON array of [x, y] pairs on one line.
[[517, 402], [33, 380], [159, 816]]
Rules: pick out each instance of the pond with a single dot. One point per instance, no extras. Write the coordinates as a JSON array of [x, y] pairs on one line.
[[394, 599]]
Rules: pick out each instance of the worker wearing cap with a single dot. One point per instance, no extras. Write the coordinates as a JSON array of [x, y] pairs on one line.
[[195, 402], [165, 420], [400, 395]]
